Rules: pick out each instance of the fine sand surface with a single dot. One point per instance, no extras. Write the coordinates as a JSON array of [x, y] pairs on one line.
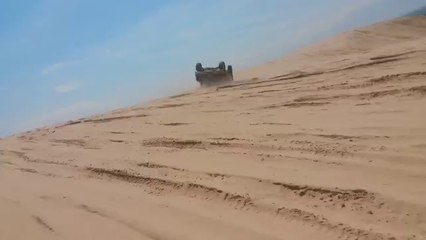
[[329, 143]]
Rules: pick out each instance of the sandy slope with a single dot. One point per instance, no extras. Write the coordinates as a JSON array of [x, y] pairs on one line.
[[327, 144]]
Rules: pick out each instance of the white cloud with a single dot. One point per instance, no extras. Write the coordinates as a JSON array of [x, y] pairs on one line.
[[189, 34], [66, 88], [115, 53], [55, 67]]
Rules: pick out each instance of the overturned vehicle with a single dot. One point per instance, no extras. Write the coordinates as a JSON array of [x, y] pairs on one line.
[[213, 76]]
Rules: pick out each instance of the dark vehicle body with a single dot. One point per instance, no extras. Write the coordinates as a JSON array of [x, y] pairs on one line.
[[213, 76]]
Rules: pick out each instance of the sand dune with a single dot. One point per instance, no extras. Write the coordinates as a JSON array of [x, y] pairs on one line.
[[329, 143]]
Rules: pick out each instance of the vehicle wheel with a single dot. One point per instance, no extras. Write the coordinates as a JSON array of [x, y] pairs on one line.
[[230, 70], [222, 66], [199, 67]]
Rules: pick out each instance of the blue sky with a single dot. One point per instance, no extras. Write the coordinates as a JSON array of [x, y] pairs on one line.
[[64, 59]]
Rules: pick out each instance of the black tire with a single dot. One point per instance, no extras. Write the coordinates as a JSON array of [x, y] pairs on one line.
[[222, 66], [230, 70], [199, 67]]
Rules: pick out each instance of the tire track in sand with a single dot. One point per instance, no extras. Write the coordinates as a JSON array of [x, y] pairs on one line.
[[160, 186]]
